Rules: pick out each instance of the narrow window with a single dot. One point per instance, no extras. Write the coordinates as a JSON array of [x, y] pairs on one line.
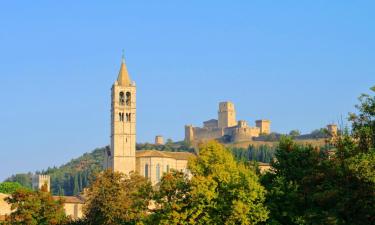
[[121, 116], [128, 98], [128, 117], [167, 168], [146, 170], [158, 173], [122, 98]]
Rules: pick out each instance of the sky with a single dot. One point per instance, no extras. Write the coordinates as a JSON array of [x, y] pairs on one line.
[[301, 64]]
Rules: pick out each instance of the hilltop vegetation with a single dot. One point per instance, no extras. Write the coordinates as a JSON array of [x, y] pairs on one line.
[[72, 177]]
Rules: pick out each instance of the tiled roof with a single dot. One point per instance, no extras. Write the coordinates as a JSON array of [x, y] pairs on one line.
[[70, 199], [164, 154]]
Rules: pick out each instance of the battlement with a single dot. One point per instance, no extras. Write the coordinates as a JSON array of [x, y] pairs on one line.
[[226, 106], [38, 180], [227, 115], [159, 140]]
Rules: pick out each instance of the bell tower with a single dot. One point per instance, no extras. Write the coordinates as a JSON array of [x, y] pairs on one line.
[[121, 155]]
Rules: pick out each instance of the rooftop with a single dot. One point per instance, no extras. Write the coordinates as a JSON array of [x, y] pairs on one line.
[[165, 154]]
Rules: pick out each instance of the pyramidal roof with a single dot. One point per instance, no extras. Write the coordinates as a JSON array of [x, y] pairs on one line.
[[123, 76]]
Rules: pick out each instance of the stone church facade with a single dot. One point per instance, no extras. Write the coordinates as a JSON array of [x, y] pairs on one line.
[[226, 127], [122, 155]]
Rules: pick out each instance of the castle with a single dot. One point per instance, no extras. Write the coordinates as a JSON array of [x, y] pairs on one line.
[[226, 127], [122, 155]]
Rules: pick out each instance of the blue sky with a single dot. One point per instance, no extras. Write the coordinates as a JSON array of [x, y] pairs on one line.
[[301, 64]]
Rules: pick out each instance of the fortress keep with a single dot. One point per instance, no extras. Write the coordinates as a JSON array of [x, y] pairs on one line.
[[226, 127]]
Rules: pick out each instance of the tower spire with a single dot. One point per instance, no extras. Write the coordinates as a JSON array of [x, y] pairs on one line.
[[123, 75]]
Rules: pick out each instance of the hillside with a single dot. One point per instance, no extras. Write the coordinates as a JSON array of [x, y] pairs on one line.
[[71, 178]]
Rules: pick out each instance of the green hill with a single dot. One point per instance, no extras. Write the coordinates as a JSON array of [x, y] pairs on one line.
[[72, 177]]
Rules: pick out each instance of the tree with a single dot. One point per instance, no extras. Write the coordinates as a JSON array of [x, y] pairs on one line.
[[220, 191], [294, 133], [363, 124], [35, 208], [311, 186], [23, 179], [172, 199], [115, 198], [9, 187]]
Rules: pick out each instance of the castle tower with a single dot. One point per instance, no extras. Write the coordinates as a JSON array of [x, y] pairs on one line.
[[189, 133], [39, 180], [121, 156], [264, 126], [159, 140], [227, 115]]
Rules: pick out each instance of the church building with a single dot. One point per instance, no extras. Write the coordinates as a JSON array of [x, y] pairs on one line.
[[122, 155]]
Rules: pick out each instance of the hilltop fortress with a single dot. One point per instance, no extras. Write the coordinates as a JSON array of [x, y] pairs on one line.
[[226, 127]]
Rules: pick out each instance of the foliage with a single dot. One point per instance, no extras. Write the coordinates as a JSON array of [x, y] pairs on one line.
[[220, 191], [73, 177], [319, 133], [35, 208], [310, 186], [262, 153], [294, 133], [23, 179], [169, 146], [363, 124], [114, 198], [9, 187]]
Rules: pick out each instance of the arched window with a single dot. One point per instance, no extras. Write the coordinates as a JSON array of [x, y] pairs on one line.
[[128, 117], [146, 170], [128, 98], [121, 98], [158, 173], [121, 116]]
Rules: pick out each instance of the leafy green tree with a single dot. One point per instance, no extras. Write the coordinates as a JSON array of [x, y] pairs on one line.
[[9, 187], [115, 198], [311, 186], [172, 199], [220, 191], [23, 179], [35, 208], [75, 185], [363, 123], [294, 133]]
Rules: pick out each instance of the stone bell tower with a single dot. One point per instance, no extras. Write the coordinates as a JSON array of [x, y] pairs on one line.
[[121, 155]]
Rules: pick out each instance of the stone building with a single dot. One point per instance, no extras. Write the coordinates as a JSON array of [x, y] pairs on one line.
[[38, 180], [122, 156], [226, 126], [159, 140]]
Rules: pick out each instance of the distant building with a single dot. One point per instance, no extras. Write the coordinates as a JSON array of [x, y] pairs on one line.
[[159, 140], [38, 181], [226, 126]]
